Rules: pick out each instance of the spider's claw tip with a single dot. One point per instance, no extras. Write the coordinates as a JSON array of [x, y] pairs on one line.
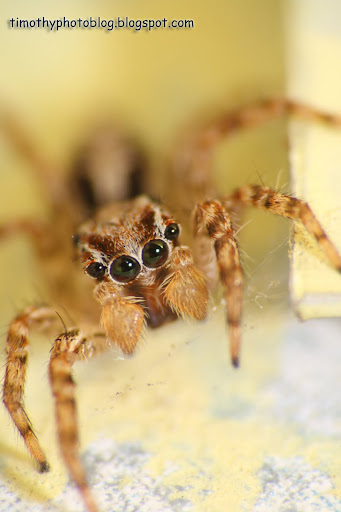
[[44, 467], [235, 361]]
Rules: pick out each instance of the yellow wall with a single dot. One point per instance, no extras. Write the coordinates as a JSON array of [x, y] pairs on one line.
[[154, 81], [59, 83]]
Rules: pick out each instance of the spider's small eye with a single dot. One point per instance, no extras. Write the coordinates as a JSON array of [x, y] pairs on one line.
[[155, 253], [124, 269], [172, 231], [96, 270]]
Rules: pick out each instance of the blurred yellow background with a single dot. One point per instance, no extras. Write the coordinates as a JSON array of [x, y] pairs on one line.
[[153, 80], [58, 84]]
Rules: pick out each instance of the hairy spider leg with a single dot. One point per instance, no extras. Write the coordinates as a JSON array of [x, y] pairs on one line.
[[13, 390], [191, 163], [69, 347], [215, 218], [290, 207]]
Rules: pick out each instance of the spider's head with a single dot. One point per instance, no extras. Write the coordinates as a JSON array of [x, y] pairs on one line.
[[132, 251], [132, 245]]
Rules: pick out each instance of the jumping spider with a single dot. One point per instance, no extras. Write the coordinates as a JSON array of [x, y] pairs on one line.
[[132, 257]]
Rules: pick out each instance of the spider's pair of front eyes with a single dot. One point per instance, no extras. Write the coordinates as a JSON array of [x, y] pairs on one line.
[[126, 268]]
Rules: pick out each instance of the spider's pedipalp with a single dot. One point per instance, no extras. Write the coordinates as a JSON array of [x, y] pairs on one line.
[[214, 216], [286, 206], [122, 318], [185, 287]]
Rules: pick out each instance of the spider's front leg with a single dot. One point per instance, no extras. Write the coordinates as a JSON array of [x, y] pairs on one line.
[[13, 391], [67, 348], [271, 201], [123, 321], [213, 216]]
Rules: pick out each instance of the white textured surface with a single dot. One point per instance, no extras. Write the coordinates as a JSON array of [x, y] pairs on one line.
[[119, 480], [295, 410], [305, 394], [292, 485]]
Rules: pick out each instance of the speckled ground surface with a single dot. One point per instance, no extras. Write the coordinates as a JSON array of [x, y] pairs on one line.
[[178, 430]]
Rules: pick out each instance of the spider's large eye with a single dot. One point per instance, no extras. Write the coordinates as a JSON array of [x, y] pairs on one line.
[[155, 253], [172, 231], [96, 270], [124, 269]]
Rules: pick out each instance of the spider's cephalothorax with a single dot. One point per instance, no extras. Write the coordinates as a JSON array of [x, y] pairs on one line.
[[142, 270], [132, 253]]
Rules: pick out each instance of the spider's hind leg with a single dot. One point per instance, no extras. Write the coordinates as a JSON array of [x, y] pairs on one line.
[[47, 173], [192, 162]]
